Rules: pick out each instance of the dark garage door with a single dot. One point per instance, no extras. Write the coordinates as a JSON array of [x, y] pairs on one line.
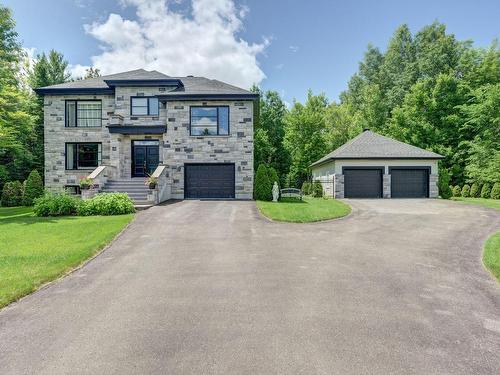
[[209, 180], [409, 183], [363, 183]]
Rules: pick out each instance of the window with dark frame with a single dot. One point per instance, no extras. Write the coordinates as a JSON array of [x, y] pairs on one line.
[[144, 106], [83, 155], [72, 189], [83, 113], [209, 120]]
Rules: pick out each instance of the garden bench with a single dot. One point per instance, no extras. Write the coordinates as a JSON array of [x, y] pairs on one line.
[[291, 193]]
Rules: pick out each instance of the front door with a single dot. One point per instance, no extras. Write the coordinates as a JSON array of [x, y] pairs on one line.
[[145, 157]]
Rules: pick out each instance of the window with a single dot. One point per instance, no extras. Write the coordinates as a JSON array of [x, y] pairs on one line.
[[72, 189], [83, 155], [83, 113], [141, 106], [210, 120]]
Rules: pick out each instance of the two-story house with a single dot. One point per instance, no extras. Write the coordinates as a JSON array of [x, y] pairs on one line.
[[200, 130]]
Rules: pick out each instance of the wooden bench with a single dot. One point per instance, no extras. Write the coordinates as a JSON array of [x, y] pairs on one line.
[[291, 193]]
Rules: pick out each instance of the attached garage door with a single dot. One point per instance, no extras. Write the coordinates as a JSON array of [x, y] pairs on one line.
[[209, 180], [362, 183], [409, 183]]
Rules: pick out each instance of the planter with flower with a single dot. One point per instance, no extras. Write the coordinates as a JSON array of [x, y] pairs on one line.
[[152, 182], [86, 183]]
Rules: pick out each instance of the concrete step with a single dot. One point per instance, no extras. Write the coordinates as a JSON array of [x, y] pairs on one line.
[[132, 189]]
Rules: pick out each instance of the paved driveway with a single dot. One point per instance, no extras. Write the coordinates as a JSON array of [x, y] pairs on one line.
[[213, 288]]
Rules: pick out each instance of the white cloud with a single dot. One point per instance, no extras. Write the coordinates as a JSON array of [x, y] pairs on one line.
[[205, 43], [77, 70], [294, 48]]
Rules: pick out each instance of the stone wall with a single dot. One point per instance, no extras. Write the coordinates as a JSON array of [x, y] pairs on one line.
[[338, 186], [179, 147], [433, 186]]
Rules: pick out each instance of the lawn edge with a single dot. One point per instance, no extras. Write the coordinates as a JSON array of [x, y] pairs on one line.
[[306, 222], [452, 199], [74, 269], [493, 276]]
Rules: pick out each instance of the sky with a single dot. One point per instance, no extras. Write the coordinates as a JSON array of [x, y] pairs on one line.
[[288, 46]]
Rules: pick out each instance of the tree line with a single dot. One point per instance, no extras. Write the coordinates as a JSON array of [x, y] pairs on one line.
[[427, 89]]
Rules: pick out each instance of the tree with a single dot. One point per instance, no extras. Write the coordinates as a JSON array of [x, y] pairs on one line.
[[263, 188], [92, 73], [33, 188], [305, 135]]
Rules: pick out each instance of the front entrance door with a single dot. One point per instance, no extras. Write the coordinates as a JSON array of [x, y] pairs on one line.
[[145, 157]]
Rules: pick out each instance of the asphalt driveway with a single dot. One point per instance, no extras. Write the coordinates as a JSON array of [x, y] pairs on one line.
[[213, 288]]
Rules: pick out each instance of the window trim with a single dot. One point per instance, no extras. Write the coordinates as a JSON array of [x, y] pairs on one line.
[[218, 125], [80, 143], [76, 113], [148, 106]]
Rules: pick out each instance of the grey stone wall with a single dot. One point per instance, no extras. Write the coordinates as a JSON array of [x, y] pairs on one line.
[[179, 147], [386, 185], [176, 145], [433, 186], [338, 186]]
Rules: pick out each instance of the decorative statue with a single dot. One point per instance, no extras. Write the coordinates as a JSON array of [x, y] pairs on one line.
[[276, 192]]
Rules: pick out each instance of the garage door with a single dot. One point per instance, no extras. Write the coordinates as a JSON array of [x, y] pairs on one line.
[[209, 180], [409, 183], [362, 183]]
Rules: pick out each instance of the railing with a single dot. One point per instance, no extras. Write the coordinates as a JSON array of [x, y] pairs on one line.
[[162, 191], [99, 177]]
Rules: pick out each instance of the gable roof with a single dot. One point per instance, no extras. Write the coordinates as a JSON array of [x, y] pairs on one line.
[[185, 87], [370, 145]]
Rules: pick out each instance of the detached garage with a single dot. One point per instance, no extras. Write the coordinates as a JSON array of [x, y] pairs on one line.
[[374, 166]]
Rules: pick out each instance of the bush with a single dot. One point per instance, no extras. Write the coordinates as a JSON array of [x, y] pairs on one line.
[[273, 176], [12, 194], [475, 190], [106, 204], [56, 205], [33, 188], [263, 186], [317, 189], [306, 188], [443, 184], [466, 191], [486, 191], [495, 191], [457, 191]]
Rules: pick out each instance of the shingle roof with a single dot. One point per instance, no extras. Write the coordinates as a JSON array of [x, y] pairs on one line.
[[370, 145], [191, 86]]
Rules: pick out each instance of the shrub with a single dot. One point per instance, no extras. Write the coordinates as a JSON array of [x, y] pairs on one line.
[[33, 188], [306, 188], [56, 205], [263, 186], [443, 184], [495, 191], [317, 189], [466, 191], [486, 191], [273, 176], [12, 194], [107, 204], [475, 190], [457, 191]]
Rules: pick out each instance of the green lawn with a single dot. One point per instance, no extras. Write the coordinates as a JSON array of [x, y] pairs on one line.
[[35, 250], [305, 211], [491, 255], [490, 203]]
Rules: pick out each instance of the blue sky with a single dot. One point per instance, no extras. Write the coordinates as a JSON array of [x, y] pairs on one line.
[[288, 46]]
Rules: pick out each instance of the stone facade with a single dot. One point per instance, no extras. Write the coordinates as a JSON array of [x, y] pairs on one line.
[[386, 185], [433, 186], [338, 186], [177, 147]]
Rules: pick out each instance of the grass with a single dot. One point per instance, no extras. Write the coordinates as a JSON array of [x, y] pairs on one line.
[[305, 211], [490, 203], [35, 250], [491, 255]]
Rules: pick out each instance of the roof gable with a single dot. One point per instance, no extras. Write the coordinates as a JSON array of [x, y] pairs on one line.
[[370, 145]]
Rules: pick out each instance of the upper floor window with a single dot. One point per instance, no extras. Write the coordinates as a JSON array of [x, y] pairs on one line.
[[210, 120], [83, 155], [83, 113], [144, 106]]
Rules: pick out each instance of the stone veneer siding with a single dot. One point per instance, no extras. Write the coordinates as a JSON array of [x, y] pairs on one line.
[[177, 147]]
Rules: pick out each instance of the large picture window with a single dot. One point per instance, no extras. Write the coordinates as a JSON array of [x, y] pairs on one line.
[[83, 113], [83, 155], [144, 106], [210, 120]]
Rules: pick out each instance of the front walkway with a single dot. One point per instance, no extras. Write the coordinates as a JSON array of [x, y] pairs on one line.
[[212, 288]]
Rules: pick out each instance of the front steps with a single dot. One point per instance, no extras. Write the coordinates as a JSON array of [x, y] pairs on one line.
[[135, 189]]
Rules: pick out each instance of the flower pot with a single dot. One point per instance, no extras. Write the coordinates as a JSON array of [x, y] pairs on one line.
[[152, 186]]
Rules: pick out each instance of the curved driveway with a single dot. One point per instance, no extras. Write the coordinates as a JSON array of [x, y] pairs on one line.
[[213, 288]]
